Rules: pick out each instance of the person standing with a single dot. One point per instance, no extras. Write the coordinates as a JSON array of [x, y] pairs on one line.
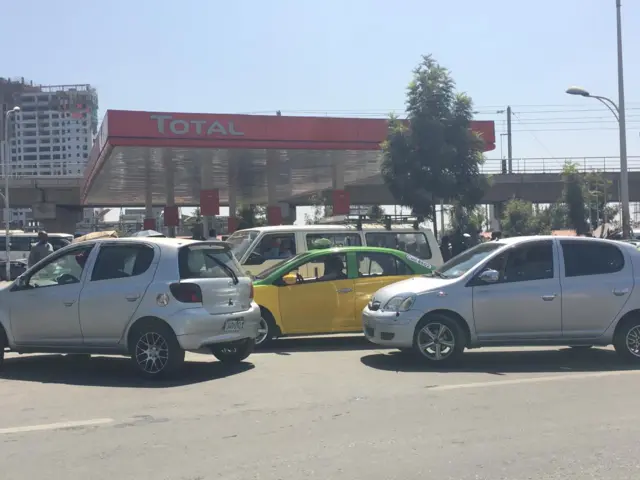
[[40, 250]]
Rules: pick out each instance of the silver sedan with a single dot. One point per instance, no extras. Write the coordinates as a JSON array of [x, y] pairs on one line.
[[533, 291]]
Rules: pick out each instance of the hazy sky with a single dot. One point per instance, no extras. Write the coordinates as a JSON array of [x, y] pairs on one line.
[[341, 57]]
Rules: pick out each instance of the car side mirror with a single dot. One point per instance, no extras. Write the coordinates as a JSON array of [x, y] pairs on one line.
[[489, 276], [290, 279], [254, 259]]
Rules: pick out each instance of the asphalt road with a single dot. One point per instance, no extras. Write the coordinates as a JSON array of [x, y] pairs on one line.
[[324, 409]]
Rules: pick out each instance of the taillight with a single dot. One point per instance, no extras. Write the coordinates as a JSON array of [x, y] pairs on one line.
[[186, 292], [251, 291]]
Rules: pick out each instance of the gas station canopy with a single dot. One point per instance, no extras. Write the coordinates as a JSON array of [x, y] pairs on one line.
[[134, 150]]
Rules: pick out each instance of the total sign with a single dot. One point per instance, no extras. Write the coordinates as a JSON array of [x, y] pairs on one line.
[[166, 124]]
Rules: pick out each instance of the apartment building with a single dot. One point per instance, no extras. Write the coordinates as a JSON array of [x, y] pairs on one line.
[[52, 133]]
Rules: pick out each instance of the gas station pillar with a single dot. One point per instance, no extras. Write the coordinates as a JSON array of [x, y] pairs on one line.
[[232, 221], [209, 198], [149, 218], [339, 196], [171, 211], [274, 211]]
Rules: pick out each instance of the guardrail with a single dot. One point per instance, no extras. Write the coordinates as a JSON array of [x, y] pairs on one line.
[[555, 165], [45, 169]]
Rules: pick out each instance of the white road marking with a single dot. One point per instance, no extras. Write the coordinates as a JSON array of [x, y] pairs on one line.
[[56, 426], [518, 381]]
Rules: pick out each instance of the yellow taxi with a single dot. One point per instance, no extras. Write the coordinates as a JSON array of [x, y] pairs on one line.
[[323, 291]]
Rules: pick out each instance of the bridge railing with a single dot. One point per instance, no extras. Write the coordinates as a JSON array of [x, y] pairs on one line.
[[555, 165], [45, 169]]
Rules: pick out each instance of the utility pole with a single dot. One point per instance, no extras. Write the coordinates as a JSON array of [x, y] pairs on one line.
[[509, 146]]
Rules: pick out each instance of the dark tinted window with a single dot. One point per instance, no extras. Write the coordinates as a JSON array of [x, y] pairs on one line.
[[380, 264], [590, 258], [414, 243], [529, 262], [208, 261], [122, 261]]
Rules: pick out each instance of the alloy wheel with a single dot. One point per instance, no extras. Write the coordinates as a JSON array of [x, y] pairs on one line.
[[436, 341], [263, 331], [633, 341], [152, 352]]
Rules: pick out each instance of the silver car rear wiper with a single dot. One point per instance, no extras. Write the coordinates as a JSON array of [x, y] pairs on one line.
[[228, 270]]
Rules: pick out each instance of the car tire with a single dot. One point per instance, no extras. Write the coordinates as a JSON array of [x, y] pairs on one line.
[[450, 340], [267, 329], [626, 341], [155, 351], [234, 353]]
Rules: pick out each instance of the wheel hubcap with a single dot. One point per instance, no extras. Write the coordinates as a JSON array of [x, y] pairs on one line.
[[633, 341], [436, 341], [263, 331], [152, 352]]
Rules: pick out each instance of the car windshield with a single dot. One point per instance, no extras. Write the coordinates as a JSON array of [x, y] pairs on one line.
[[265, 273], [241, 241], [462, 263]]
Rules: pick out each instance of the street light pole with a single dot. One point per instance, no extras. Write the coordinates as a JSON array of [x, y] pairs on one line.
[[618, 112], [6, 162], [624, 172]]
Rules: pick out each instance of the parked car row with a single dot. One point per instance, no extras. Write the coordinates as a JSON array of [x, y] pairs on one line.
[[153, 299]]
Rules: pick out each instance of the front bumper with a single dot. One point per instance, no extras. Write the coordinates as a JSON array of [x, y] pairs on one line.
[[389, 329], [196, 328]]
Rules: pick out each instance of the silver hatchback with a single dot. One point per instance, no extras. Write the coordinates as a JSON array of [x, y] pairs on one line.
[[533, 291], [148, 298]]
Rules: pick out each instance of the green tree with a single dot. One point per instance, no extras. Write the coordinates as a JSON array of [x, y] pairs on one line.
[[519, 219], [598, 197], [319, 210], [574, 198], [553, 217], [251, 216], [376, 212], [434, 155]]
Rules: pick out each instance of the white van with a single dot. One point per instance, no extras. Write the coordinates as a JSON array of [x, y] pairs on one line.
[[22, 242], [262, 247]]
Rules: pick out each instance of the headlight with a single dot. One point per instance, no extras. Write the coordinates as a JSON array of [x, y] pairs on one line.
[[400, 303]]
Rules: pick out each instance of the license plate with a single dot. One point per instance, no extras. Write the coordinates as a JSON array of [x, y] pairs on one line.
[[233, 325]]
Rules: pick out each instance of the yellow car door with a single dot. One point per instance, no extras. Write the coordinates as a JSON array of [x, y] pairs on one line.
[[375, 270], [321, 300]]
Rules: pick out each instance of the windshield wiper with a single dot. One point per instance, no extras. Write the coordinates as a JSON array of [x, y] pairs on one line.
[[438, 274], [229, 271]]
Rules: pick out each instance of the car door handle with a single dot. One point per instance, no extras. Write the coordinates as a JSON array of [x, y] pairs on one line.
[[620, 292], [548, 298], [132, 298], [344, 290], [69, 303]]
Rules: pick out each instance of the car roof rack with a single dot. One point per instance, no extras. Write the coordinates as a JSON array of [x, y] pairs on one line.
[[387, 221]]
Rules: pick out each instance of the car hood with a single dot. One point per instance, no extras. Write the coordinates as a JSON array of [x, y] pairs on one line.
[[416, 285]]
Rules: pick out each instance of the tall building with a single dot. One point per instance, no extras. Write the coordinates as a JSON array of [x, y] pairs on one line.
[[52, 134]]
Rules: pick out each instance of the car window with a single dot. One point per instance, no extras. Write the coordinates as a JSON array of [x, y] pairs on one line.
[[208, 261], [277, 246], [532, 261], [462, 263], [324, 268], [121, 261], [241, 241], [380, 265], [336, 239], [18, 244], [61, 270], [414, 243], [590, 258], [57, 243]]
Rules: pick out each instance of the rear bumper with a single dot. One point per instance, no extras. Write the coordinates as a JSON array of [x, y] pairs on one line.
[[196, 328]]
